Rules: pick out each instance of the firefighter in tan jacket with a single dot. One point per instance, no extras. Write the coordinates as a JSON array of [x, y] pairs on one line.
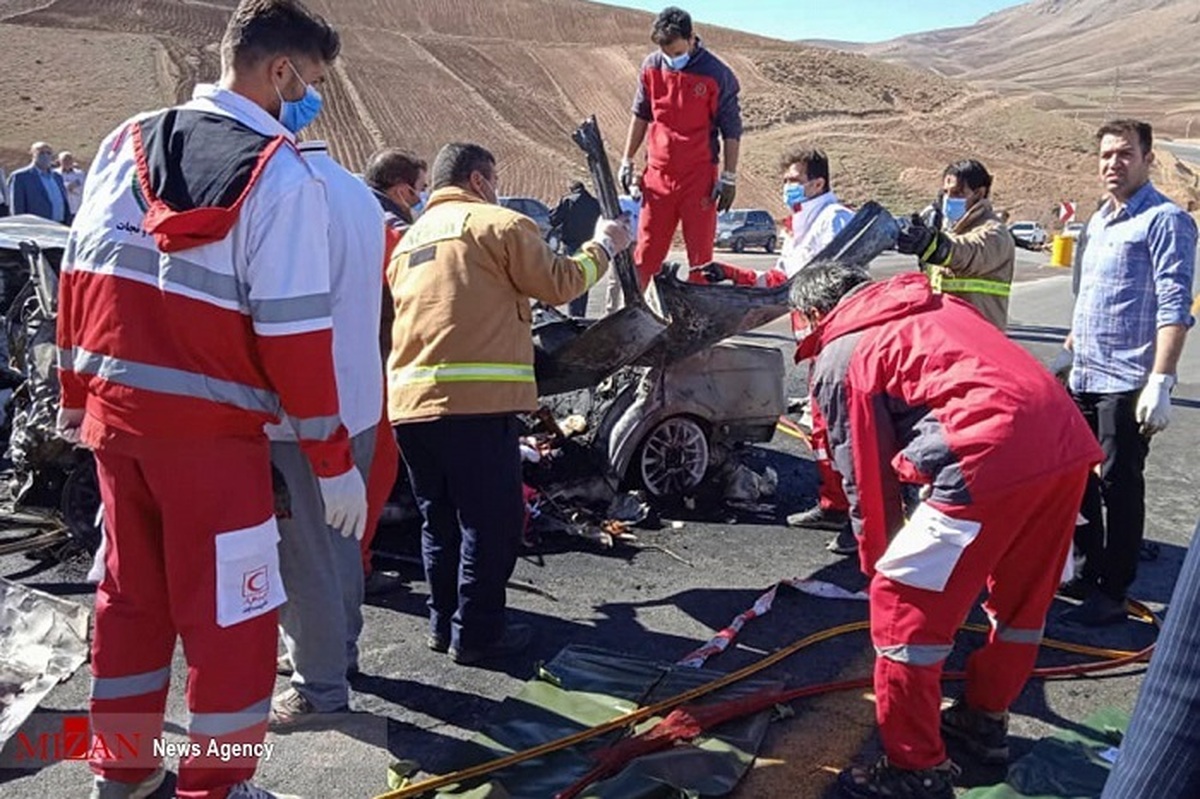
[[972, 256], [460, 370]]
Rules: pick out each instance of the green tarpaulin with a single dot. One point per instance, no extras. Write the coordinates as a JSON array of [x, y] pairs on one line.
[[1069, 765], [582, 687]]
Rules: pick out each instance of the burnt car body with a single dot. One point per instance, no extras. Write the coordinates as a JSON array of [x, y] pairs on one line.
[[45, 473], [696, 390]]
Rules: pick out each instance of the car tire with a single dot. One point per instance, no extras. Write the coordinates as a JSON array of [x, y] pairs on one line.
[[739, 245], [769, 247], [673, 457]]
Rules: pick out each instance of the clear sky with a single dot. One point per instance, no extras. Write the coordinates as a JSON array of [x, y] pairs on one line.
[[845, 20]]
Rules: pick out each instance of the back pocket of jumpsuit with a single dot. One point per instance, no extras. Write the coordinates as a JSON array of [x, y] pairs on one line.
[[248, 579], [927, 549]]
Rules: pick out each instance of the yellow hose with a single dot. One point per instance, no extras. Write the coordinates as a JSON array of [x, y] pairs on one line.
[[1117, 656]]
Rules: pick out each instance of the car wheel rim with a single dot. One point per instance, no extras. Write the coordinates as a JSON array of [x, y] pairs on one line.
[[674, 457]]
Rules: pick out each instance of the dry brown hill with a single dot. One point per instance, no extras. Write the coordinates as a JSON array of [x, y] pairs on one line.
[[1085, 58], [516, 75]]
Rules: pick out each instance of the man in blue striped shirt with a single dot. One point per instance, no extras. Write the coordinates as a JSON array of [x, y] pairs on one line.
[[1130, 321]]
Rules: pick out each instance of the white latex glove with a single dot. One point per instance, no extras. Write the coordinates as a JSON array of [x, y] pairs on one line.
[[345, 499], [613, 235], [1061, 365], [625, 174], [1153, 410], [68, 423]]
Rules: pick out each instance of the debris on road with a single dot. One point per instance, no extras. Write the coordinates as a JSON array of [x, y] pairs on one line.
[[43, 642]]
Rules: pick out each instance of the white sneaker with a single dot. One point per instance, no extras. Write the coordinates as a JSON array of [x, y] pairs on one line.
[[244, 790], [111, 789]]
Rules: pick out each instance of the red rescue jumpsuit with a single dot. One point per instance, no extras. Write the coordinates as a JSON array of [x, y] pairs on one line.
[[920, 388], [829, 492], [689, 111], [184, 326]]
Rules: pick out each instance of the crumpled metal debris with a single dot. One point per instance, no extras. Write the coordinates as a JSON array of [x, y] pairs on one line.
[[43, 641], [743, 484], [630, 507]]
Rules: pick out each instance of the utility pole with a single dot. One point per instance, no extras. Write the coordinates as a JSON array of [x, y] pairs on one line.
[[1114, 100]]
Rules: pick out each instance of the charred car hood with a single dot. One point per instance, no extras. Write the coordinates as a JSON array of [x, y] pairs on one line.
[[701, 315]]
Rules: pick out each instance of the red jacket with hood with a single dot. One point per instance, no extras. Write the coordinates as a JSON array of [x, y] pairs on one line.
[[920, 388]]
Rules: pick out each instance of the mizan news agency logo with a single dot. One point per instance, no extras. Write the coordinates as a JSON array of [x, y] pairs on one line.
[[76, 740]]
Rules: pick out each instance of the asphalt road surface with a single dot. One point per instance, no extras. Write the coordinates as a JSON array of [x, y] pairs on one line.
[[411, 702], [1184, 150]]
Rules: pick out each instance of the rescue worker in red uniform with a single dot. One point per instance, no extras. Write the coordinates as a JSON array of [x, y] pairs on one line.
[[816, 217], [194, 308], [919, 388], [687, 102]]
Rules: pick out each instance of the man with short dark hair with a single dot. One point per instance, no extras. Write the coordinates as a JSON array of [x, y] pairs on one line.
[[970, 254], [194, 308], [38, 189], [460, 371], [687, 103], [1130, 322], [400, 182], [919, 389], [575, 218]]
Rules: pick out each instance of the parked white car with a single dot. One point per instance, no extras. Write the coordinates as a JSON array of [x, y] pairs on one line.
[[1030, 232]]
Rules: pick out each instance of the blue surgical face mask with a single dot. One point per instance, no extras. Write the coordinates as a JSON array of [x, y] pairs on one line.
[[419, 206], [678, 62], [793, 194], [297, 115], [954, 209]]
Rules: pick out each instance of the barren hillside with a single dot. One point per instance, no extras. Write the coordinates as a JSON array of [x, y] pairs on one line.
[[516, 75], [1084, 58]]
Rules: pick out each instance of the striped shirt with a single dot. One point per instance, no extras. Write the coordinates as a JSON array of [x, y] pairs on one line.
[[1136, 277]]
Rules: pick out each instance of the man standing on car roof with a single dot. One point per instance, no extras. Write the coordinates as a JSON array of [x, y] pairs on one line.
[[687, 100]]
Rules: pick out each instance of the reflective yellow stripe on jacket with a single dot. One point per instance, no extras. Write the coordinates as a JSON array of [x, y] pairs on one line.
[[589, 267], [969, 285], [464, 373]]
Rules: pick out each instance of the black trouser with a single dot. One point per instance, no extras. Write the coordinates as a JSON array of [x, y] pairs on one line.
[[1115, 502], [466, 476]]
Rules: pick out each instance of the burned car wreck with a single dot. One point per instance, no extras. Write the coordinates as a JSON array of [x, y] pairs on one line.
[[45, 476], [662, 394]]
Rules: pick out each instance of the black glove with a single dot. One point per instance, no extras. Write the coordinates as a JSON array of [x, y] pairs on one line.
[[712, 273], [927, 243], [915, 237], [625, 175], [724, 191]]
